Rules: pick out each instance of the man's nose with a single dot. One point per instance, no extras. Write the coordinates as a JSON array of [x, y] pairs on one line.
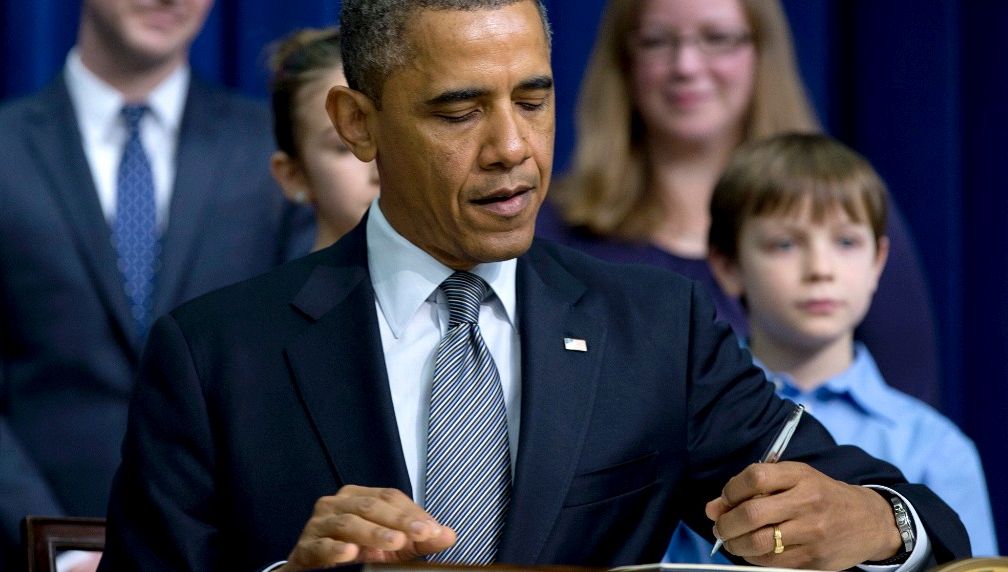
[[506, 143]]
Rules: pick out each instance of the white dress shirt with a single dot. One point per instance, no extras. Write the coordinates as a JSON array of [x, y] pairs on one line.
[[413, 317], [97, 106]]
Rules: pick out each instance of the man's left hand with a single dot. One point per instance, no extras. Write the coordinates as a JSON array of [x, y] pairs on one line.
[[823, 523]]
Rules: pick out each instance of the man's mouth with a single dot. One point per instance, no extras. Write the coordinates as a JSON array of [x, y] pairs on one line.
[[506, 202]]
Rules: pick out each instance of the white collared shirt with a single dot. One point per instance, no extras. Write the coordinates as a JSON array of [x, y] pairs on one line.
[[413, 317], [97, 106]]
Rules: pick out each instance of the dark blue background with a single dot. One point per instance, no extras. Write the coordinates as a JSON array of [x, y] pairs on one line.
[[919, 86]]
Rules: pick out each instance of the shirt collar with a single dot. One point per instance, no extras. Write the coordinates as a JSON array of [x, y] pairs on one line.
[[861, 382], [97, 104], [864, 383], [404, 276]]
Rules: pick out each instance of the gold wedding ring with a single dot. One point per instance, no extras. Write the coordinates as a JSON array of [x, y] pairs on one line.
[[778, 542]]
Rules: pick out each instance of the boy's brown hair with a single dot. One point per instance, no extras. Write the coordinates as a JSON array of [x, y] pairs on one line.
[[777, 175]]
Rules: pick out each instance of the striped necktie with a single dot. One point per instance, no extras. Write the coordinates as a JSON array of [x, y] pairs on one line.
[[134, 231], [468, 460]]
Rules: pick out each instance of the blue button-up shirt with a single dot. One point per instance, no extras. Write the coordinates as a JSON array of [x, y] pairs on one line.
[[858, 408]]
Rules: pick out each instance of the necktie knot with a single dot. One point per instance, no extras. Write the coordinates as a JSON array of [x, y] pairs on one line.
[[465, 291], [133, 113]]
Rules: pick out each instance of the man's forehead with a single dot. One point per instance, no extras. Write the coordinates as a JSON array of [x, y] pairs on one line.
[[509, 26], [464, 54]]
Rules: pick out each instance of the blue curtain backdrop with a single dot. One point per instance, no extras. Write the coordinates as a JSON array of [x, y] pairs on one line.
[[917, 86]]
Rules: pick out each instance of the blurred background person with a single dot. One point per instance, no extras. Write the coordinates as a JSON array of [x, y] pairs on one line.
[[127, 187], [671, 89], [312, 165]]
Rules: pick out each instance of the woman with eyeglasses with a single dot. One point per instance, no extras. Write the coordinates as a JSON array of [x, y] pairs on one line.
[[312, 165], [673, 87]]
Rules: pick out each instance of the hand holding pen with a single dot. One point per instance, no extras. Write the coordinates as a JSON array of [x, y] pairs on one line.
[[776, 449]]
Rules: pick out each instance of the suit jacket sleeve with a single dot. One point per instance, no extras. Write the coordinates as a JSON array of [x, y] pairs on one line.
[[162, 508], [716, 428]]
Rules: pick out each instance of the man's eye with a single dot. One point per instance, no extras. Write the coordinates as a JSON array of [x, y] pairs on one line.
[[451, 118], [532, 105]]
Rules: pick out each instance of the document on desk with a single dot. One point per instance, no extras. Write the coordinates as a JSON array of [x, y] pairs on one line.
[[674, 567], [654, 567], [426, 567]]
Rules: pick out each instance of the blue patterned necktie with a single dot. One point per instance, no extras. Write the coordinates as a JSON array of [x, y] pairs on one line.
[[134, 231], [468, 459]]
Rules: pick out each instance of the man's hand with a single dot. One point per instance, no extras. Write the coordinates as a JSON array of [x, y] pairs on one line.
[[824, 523], [361, 524]]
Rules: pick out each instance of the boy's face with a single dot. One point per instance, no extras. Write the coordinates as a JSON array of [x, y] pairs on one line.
[[807, 284]]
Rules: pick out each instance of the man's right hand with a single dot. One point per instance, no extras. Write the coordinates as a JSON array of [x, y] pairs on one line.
[[362, 524]]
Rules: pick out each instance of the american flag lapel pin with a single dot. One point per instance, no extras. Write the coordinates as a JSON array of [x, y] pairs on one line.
[[575, 345]]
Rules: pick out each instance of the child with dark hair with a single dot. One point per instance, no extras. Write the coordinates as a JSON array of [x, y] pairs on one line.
[[312, 164], [798, 234]]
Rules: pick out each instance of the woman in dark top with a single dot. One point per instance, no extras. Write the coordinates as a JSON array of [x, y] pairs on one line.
[[672, 88]]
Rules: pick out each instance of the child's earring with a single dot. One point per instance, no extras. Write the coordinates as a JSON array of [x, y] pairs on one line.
[[300, 197]]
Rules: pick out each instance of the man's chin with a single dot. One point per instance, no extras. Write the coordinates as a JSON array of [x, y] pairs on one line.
[[509, 246]]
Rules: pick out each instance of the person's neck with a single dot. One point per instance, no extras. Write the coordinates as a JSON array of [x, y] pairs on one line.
[[326, 235], [682, 176], [133, 78], [808, 366]]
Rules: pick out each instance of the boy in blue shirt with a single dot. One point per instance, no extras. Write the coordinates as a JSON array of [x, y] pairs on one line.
[[798, 233]]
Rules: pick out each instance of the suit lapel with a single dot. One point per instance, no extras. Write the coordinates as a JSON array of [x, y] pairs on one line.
[[56, 141], [339, 371], [200, 137], [558, 389]]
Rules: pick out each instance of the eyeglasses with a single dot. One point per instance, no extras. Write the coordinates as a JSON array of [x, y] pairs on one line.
[[654, 45]]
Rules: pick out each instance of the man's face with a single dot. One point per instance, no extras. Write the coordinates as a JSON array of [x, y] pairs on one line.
[[146, 32], [465, 133]]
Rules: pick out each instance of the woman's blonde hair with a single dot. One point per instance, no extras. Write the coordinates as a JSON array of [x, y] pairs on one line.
[[606, 190]]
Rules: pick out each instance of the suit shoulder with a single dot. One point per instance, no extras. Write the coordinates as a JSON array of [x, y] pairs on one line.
[[229, 102], [12, 111], [15, 114], [252, 300]]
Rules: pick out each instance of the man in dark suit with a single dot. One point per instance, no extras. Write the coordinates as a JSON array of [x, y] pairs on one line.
[[69, 339], [301, 414]]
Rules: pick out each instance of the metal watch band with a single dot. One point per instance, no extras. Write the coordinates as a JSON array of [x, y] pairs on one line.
[[904, 522]]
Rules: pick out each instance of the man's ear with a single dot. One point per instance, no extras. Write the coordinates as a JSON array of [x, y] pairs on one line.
[[727, 273], [351, 112], [288, 174]]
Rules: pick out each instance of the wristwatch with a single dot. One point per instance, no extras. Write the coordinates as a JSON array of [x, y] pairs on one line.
[[905, 524]]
